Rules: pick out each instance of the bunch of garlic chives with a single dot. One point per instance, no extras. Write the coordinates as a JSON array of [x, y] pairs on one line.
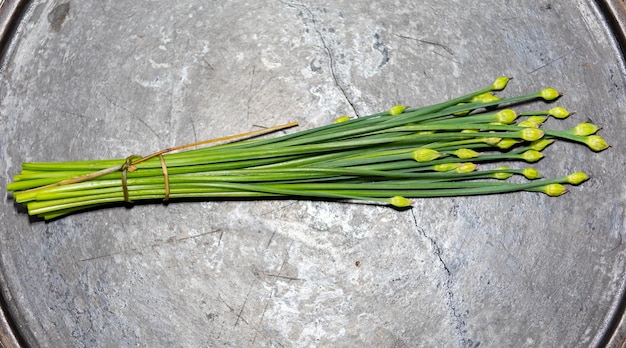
[[432, 151]]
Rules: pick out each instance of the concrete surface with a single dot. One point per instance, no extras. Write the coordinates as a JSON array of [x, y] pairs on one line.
[[99, 79]]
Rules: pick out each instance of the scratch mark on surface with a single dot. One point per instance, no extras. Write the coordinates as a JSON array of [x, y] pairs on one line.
[[269, 242], [173, 240], [239, 315], [232, 309], [100, 257], [157, 244], [250, 91], [280, 208], [133, 115], [551, 62], [283, 277], [193, 129], [280, 270], [219, 242], [208, 65], [256, 333], [427, 42]]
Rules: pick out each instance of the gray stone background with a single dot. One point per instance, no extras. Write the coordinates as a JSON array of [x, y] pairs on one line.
[[100, 79]]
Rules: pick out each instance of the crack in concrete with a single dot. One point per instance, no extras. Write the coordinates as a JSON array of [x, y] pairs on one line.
[[450, 301], [329, 53]]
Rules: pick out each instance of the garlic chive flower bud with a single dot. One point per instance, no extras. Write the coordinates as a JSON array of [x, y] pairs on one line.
[[490, 98], [537, 119], [531, 173], [549, 94], [532, 122], [528, 124], [558, 112], [500, 83], [425, 155], [491, 140], [532, 134], [426, 132], [466, 153], [540, 144], [506, 116], [584, 129], [446, 167], [400, 202], [397, 110], [479, 98], [484, 98], [462, 113], [502, 175], [507, 143], [531, 156], [577, 178], [553, 190], [596, 143], [469, 131], [341, 119], [465, 168]]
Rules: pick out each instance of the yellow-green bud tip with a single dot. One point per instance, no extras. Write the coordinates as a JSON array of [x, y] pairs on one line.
[[584, 129], [528, 124], [506, 143], [500, 83], [549, 94], [554, 190], [596, 143], [506, 116], [397, 110], [491, 140], [445, 167], [465, 168], [466, 153], [531, 156], [558, 112], [502, 175], [341, 119], [462, 113], [532, 134], [540, 144], [425, 154], [485, 98], [531, 173], [400, 202], [577, 178], [536, 119]]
